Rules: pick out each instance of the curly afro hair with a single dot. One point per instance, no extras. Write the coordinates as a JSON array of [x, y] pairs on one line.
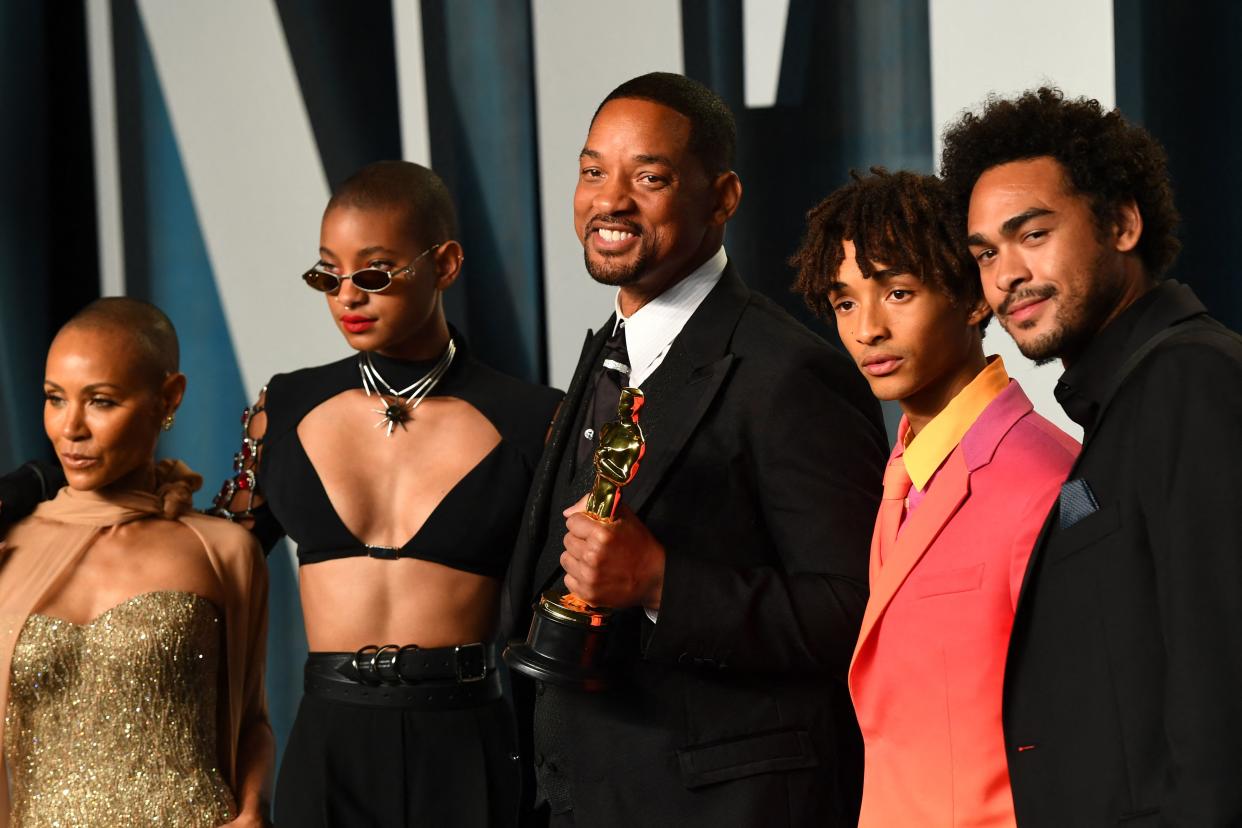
[[902, 220], [1106, 159]]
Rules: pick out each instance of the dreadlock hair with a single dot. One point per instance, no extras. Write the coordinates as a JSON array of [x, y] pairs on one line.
[[1106, 158], [902, 220]]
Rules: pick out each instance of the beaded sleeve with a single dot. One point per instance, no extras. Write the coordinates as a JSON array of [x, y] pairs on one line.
[[239, 498]]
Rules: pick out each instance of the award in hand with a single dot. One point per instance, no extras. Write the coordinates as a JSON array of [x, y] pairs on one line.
[[566, 642]]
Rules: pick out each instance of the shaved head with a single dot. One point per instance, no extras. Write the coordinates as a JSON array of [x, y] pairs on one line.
[[147, 328]]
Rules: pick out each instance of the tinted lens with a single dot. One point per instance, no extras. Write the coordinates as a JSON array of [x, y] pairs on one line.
[[372, 279], [321, 281]]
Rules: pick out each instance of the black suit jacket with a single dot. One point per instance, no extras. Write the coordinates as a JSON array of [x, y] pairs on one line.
[[762, 476], [1123, 692]]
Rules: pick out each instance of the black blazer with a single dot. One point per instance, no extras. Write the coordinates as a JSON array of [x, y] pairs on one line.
[[762, 476], [1123, 691]]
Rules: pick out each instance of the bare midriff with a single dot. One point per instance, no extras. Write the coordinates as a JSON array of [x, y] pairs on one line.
[[350, 603]]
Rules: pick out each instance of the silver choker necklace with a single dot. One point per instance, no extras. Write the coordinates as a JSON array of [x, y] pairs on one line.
[[399, 405]]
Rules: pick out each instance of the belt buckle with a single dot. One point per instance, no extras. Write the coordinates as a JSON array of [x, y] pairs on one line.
[[464, 677]]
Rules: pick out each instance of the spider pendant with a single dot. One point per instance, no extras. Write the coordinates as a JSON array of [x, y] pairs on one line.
[[392, 415]]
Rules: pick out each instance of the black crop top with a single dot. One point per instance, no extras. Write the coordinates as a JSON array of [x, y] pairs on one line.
[[461, 532]]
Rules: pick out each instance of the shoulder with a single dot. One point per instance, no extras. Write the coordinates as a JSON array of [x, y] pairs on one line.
[[223, 537], [1200, 348], [29, 533], [1038, 448], [521, 411], [524, 396], [290, 396], [768, 336], [1197, 370], [312, 378], [792, 362], [1031, 461]]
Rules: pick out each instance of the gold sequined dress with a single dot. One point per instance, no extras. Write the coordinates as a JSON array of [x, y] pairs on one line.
[[113, 723]]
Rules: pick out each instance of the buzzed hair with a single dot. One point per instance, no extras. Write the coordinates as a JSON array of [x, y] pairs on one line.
[[713, 132], [402, 185], [146, 325]]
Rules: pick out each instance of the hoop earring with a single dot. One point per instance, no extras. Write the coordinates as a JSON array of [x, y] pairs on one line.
[[168, 422]]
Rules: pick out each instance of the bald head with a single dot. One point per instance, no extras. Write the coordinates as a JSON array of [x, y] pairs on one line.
[[146, 327]]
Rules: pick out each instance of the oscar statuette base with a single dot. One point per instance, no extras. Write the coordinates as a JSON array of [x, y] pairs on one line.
[[566, 644]]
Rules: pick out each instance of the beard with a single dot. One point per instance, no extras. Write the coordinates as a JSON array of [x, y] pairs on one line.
[[613, 269], [1077, 320]]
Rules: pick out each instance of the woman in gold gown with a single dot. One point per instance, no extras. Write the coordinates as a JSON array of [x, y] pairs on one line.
[[131, 628]]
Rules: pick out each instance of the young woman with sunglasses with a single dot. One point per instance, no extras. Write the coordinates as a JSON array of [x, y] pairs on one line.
[[401, 473]]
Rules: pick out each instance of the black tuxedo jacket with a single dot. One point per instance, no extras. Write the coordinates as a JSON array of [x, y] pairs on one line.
[[762, 477], [1123, 689]]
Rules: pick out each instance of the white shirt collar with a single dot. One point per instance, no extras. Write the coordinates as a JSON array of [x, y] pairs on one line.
[[651, 329]]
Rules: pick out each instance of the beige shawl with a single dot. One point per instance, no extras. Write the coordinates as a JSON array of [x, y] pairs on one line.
[[41, 550]]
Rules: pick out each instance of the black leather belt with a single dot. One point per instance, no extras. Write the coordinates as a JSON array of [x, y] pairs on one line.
[[409, 676]]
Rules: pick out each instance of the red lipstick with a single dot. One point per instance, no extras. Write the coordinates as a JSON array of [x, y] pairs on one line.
[[357, 324]]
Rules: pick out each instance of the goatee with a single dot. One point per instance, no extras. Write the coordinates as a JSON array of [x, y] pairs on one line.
[[608, 270], [1078, 318]]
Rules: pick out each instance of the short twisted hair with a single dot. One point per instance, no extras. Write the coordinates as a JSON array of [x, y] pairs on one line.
[[902, 220], [1106, 158]]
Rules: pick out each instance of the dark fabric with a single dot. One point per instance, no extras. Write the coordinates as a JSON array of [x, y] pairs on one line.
[[1124, 671], [573, 480], [761, 480], [1082, 389], [349, 766], [602, 407], [24, 488], [457, 533]]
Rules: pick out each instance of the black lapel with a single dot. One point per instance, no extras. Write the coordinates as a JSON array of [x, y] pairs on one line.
[[677, 398], [534, 522], [697, 365]]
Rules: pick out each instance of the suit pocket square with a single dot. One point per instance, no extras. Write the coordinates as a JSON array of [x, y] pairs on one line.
[[1075, 502]]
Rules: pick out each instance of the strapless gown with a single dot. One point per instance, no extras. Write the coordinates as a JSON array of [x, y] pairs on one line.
[[113, 723]]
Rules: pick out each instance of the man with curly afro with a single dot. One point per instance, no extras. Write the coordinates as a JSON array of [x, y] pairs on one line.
[[1123, 687]]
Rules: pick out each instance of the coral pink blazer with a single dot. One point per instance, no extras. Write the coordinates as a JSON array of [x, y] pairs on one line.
[[928, 668]]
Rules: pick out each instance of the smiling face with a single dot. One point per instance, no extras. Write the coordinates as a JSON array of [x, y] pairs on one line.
[[1053, 277], [909, 340], [103, 407], [406, 319], [645, 209]]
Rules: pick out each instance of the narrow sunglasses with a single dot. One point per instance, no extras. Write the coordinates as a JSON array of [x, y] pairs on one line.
[[369, 279]]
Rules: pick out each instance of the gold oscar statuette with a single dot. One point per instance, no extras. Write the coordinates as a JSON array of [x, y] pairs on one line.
[[568, 636]]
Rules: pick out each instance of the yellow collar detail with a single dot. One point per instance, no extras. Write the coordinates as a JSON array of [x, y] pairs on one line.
[[924, 454]]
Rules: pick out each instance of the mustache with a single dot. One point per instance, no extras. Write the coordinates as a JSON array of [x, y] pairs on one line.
[[604, 218], [1045, 292]]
